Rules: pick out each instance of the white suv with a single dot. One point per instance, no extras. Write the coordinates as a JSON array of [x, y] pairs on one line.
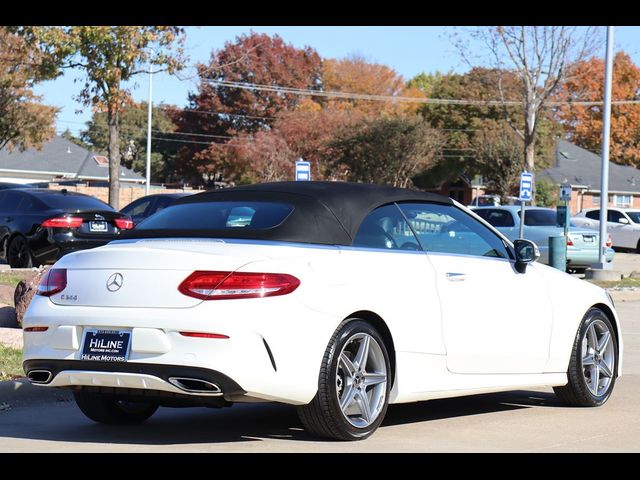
[[622, 223]]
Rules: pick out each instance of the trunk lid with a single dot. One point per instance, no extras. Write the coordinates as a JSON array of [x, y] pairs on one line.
[[98, 224], [584, 239], [145, 273]]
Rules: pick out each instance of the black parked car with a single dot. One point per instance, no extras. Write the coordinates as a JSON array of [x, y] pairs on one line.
[[38, 226], [144, 207], [7, 185]]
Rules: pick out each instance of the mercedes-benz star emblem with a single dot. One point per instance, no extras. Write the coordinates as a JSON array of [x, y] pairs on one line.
[[114, 282]]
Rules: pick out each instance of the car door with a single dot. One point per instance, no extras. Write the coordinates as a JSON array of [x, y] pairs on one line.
[[494, 319], [625, 233]]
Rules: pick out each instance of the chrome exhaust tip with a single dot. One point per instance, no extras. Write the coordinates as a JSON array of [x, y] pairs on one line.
[[195, 385], [40, 376]]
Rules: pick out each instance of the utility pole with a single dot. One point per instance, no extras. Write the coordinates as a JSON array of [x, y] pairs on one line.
[[150, 106], [604, 170]]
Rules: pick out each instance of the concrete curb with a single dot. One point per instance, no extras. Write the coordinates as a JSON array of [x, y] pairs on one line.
[[19, 393], [624, 294]]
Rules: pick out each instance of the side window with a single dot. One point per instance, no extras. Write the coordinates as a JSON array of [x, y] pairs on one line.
[[614, 216], [386, 228], [161, 203], [447, 229], [137, 210], [497, 218], [244, 216], [593, 214]]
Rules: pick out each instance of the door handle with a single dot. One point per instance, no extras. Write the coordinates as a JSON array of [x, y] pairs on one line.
[[456, 277]]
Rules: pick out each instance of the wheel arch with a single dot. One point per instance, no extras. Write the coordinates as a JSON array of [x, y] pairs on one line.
[[381, 326], [616, 331]]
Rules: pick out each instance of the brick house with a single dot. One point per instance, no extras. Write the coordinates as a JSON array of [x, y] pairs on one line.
[[581, 168]]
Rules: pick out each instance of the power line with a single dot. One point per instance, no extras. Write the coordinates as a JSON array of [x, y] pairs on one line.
[[401, 99]]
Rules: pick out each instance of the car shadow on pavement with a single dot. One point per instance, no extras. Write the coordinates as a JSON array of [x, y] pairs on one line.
[[468, 405], [241, 423]]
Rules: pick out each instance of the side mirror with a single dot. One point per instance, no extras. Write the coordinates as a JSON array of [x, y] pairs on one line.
[[623, 220], [526, 252]]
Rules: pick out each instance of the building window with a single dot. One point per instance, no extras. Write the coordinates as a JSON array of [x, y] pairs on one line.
[[595, 199], [622, 200]]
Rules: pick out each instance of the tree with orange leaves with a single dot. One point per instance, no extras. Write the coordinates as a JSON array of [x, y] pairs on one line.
[[583, 124], [24, 121], [356, 75]]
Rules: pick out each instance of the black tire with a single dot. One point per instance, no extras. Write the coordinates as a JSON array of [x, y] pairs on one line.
[[18, 254], [638, 246], [577, 271], [576, 392], [323, 417], [110, 410]]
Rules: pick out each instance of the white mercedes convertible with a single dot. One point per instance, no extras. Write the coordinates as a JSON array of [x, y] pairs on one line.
[[338, 298]]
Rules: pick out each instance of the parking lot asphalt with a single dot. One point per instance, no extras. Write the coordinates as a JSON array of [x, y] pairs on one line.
[[521, 421]]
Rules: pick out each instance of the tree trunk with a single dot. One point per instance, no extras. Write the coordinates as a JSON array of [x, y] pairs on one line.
[[529, 137], [529, 154], [114, 158]]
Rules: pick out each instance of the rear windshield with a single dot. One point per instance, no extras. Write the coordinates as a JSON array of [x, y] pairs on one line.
[[73, 202], [224, 215]]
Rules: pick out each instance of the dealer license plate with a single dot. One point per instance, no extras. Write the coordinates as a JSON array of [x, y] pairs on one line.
[[98, 226], [106, 345]]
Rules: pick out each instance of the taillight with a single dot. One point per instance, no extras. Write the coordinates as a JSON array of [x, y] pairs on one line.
[[227, 285], [124, 223], [36, 329], [569, 242], [62, 222], [204, 335], [609, 241], [54, 281]]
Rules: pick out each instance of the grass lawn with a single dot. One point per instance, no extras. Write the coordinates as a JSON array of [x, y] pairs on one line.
[[10, 363], [625, 282], [12, 278]]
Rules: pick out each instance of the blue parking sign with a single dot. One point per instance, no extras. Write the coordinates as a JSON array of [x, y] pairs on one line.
[[303, 171], [526, 187]]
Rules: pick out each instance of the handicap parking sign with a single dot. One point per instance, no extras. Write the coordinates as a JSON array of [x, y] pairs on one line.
[[526, 187]]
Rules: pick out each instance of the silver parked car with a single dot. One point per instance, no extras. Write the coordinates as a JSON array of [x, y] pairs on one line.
[[539, 225]]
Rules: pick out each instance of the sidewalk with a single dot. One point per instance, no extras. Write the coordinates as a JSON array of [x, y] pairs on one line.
[[18, 393]]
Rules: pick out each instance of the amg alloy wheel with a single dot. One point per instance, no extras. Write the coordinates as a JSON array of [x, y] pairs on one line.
[[594, 358], [353, 388]]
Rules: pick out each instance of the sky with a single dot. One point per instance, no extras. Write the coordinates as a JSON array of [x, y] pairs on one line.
[[408, 50]]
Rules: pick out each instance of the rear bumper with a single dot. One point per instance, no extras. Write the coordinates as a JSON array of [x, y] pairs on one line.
[[122, 378], [274, 351], [586, 258]]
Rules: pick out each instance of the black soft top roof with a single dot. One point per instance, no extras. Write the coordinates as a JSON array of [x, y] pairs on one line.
[[324, 212]]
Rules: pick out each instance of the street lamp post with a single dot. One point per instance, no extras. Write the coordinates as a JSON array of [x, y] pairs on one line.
[[149, 110], [604, 171]]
